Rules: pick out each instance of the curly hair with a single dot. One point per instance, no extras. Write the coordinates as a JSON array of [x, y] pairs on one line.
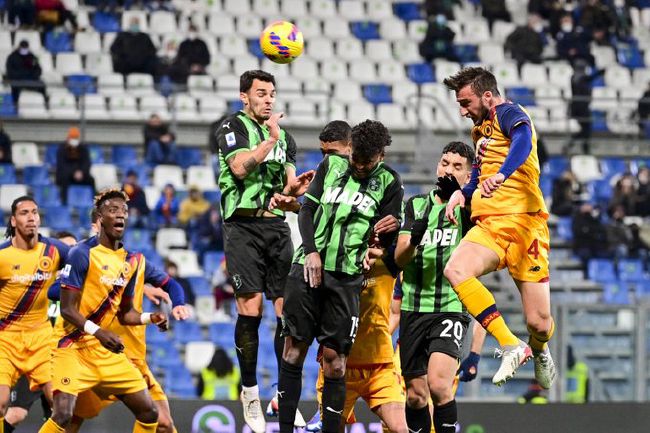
[[480, 79], [461, 149], [336, 130], [107, 194], [369, 138]]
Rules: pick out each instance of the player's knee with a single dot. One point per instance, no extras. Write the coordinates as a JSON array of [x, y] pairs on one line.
[[148, 416], [440, 390], [62, 416], [416, 398], [165, 423], [539, 323], [333, 364], [454, 273]]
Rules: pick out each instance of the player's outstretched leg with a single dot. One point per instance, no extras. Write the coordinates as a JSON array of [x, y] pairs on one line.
[[144, 409]]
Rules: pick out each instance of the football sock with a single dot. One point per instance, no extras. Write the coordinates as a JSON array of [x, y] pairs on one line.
[[8, 428], [246, 345], [278, 343], [445, 417], [481, 304], [289, 387], [418, 420], [51, 427], [141, 427], [538, 341], [333, 404]]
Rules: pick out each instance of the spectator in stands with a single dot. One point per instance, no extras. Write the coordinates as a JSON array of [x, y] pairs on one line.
[[434, 7], [220, 380], [438, 41], [566, 193], [589, 235], [526, 43], [623, 18], [172, 270], [5, 146], [208, 233], [643, 192], [159, 5], [192, 58], [132, 51], [73, 164], [581, 85], [572, 42], [138, 209], [549, 10], [167, 56], [625, 195], [192, 207], [159, 142], [577, 379], [597, 16], [494, 10], [224, 289], [166, 210], [643, 110], [22, 13], [622, 239], [51, 13], [23, 71]]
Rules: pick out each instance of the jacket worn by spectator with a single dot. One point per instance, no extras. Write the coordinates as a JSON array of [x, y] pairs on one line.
[[133, 51]]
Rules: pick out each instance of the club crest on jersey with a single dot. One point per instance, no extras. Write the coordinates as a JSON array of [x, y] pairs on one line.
[[126, 268], [45, 263], [356, 199], [442, 237], [373, 184], [487, 130]]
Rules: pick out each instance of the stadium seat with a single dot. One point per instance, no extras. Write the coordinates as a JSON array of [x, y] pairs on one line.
[[212, 261], [267, 8], [616, 293], [80, 84], [32, 105], [293, 9], [390, 28], [123, 107], [35, 175], [80, 196], [555, 166], [360, 111], [320, 49], [111, 84], [202, 177], [232, 45], [139, 84], [220, 24], [322, 9], [490, 52], [7, 106], [601, 270], [127, 15], [69, 63], [200, 84], [521, 95], [533, 75], [204, 309], [46, 195], [58, 218], [164, 174], [187, 261], [421, 73], [227, 85], [24, 154], [601, 191], [8, 193], [610, 167], [391, 71], [187, 331], [377, 93], [58, 41], [105, 22], [200, 286], [124, 156], [210, 107], [365, 30], [105, 175], [407, 11], [222, 334], [162, 22], [87, 42], [560, 73], [248, 26], [631, 270], [63, 105], [546, 185], [198, 355], [585, 167], [335, 28], [363, 71], [32, 37], [417, 29], [350, 49], [5, 41], [392, 116], [94, 106], [466, 53], [167, 238], [565, 228], [404, 93], [7, 174], [333, 70], [347, 91]]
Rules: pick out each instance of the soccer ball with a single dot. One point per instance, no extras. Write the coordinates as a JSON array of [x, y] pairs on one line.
[[281, 42]]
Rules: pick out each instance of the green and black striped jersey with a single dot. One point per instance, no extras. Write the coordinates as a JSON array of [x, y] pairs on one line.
[[239, 133], [425, 288], [347, 209]]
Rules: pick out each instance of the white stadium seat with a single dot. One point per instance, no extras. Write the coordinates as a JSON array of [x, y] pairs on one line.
[[95, 106], [123, 107], [211, 107], [379, 50], [32, 37], [5, 41], [98, 64], [237, 7], [170, 237], [393, 116], [320, 49], [617, 76], [417, 29], [139, 84], [350, 49], [220, 24], [87, 42], [8, 193], [352, 10], [336, 28], [306, 68], [347, 91], [200, 84], [360, 111], [232, 45], [266, 8], [184, 107], [105, 176], [228, 86], [585, 167], [380, 10], [392, 29], [201, 176], [293, 8], [150, 104], [334, 70], [187, 261], [162, 22], [32, 104], [533, 75], [164, 174], [24, 154], [198, 354], [310, 27], [249, 26], [69, 64], [111, 84], [406, 51], [363, 71], [391, 71], [322, 8], [245, 63], [63, 105]]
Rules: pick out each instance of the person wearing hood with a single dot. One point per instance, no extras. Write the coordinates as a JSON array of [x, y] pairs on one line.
[[132, 51], [23, 71], [73, 164]]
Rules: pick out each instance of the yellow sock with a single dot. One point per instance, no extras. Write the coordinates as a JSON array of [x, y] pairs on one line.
[[51, 427], [481, 304], [538, 341], [141, 427], [175, 431], [2, 425]]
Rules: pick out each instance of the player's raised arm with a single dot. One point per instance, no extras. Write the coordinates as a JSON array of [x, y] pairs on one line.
[[158, 278]]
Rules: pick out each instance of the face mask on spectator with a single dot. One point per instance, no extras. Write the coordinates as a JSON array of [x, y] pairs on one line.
[[619, 3], [73, 142], [135, 28], [567, 27], [23, 51], [192, 35], [441, 20], [538, 27]]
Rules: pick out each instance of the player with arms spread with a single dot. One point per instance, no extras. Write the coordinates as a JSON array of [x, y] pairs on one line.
[[347, 196], [28, 267], [510, 216], [97, 286], [257, 160]]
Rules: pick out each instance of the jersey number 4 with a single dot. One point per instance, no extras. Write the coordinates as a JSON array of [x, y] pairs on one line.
[[533, 249]]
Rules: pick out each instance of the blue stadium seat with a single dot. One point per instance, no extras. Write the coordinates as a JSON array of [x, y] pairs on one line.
[[58, 217], [7, 107], [222, 334], [601, 190], [84, 218], [629, 55], [187, 156], [36, 175], [187, 331], [213, 196], [466, 53], [421, 73], [80, 196], [601, 270], [546, 185], [521, 95], [96, 153], [138, 240], [156, 338], [154, 259], [407, 11], [212, 261], [616, 293], [255, 49], [50, 154], [555, 166], [599, 121], [637, 164], [105, 22], [631, 270], [235, 105], [47, 195], [58, 42], [181, 388], [200, 286], [166, 356], [610, 167], [124, 156], [565, 228], [312, 158], [365, 30], [378, 93], [7, 174], [80, 84], [643, 289]]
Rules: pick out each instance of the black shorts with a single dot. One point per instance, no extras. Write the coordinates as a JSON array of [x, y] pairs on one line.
[[258, 254], [21, 396], [329, 313], [421, 334]]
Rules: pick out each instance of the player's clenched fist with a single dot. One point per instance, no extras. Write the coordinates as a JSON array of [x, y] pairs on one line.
[[160, 320], [491, 184], [456, 199], [110, 340]]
